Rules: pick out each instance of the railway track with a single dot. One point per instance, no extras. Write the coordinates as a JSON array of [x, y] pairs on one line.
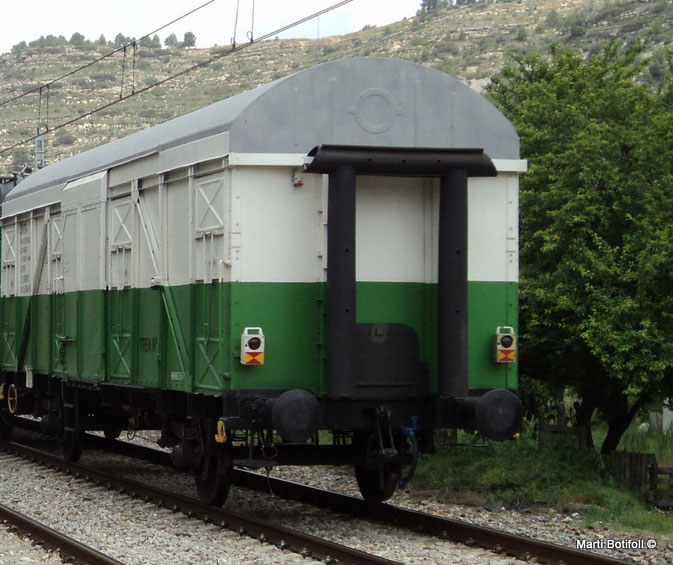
[[46, 536], [261, 530], [444, 528]]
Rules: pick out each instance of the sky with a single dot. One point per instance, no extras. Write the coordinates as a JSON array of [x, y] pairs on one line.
[[213, 24]]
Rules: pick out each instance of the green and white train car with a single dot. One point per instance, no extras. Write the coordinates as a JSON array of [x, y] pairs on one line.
[[335, 250]]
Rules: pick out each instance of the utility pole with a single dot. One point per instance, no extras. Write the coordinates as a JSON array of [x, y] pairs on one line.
[[40, 148]]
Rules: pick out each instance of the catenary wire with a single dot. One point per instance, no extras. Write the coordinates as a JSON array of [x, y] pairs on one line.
[[182, 73], [103, 57]]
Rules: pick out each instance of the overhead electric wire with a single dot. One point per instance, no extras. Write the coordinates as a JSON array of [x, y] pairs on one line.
[[103, 57], [183, 72]]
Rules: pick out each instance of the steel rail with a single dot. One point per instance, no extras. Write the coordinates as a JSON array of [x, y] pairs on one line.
[[445, 528], [437, 526], [55, 539], [264, 531]]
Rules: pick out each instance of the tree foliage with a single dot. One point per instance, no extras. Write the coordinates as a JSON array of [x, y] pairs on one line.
[[20, 46], [77, 39], [597, 236], [189, 40], [150, 43], [121, 39], [430, 7], [172, 41]]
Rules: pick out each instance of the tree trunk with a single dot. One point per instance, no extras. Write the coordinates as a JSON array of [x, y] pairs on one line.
[[583, 413], [619, 420], [615, 431]]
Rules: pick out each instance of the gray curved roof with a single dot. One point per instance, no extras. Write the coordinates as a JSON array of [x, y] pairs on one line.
[[367, 101]]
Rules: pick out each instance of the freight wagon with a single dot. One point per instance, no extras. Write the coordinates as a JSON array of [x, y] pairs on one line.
[[322, 270]]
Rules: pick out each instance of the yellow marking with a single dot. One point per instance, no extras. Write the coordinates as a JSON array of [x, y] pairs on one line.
[[506, 355], [254, 358], [221, 435]]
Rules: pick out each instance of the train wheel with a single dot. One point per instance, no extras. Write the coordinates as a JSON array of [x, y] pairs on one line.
[[112, 433], [376, 483], [213, 482]]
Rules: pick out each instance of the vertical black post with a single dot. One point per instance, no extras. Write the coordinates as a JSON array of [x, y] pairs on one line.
[[341, 282], [452, 301]]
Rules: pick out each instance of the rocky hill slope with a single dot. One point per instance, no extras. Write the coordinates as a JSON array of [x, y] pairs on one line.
[[470, 41]]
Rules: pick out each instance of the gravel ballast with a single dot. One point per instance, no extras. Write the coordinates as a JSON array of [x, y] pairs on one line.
[[137, 532]]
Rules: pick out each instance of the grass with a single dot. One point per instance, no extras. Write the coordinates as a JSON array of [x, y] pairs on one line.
[[650, 441], [519, 474], [634, 440]]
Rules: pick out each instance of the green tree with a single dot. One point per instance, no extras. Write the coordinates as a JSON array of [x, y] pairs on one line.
[[121, 39], [20, 46], [20, 157], [430, 7], [53, 41], [172, 41], [190, 40], [77, 39], [553, 19], [64, 138], [597, 237], [577, 30], [41, 42]]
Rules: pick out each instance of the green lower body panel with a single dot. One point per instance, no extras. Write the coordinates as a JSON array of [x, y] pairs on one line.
[[187, 338], [412, 304], [490, 305], [14, 312], [291, 317]]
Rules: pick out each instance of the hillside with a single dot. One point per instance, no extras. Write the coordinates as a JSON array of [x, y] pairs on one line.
[[469, 41]]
